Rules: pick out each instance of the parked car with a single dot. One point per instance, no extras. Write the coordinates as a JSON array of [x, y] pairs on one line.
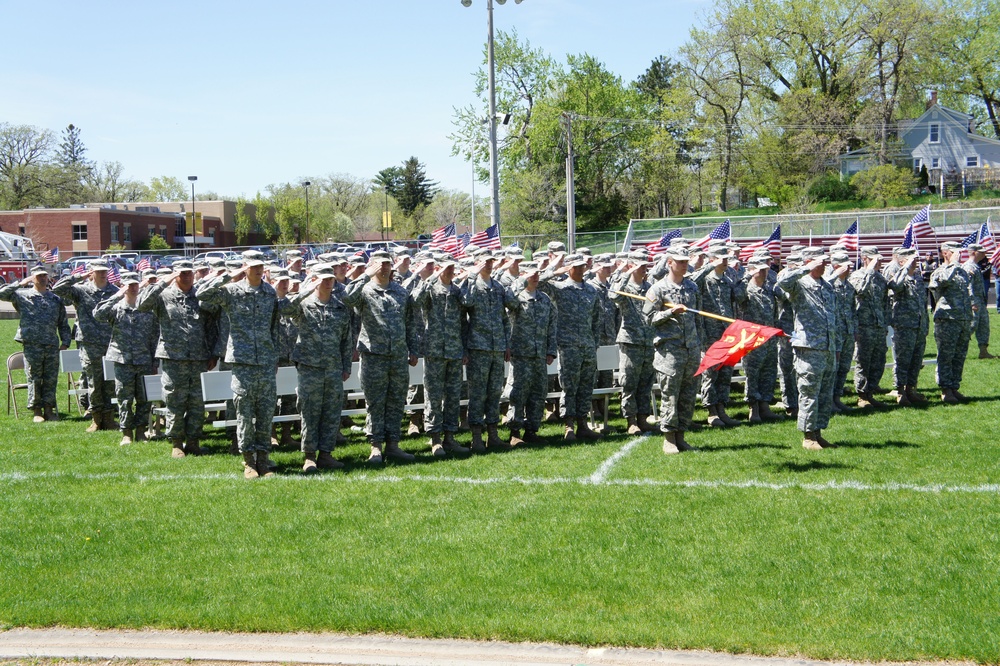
[[222, 254]]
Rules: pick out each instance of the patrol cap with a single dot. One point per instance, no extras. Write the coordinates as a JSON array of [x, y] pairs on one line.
[[515, 253], [904, 252], [797, 248], [732, 245], [793, 257], [216, 262], [838, 246], [679, 242], [98, 265], [150, 273], [811, 253], [253, 258], [38, 270], [975, 247], [336, 259], [480, 254], [291, 255], [871, 252], [840, 257], [693, 251], [234, 263], [326, 257], [718, 252], [471, 248], [951, 246], [323, 271], [309, 264], [164, 271], [128, 277], [199, 264], [445, 261], [585, 251], [182, 265], [604, 259], [556, 246], [356, 260], [678, 254], [638, 257], [575, 259], [755, 265], [278, 274], [529, 267], [381, 256]]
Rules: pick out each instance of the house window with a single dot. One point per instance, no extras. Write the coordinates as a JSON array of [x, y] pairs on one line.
[[918, 162], [21, 229], [79, 231], [935, 133], [128, 233], [935, 162], [114, 233], [972, 161], [163, 231], [179, 229]]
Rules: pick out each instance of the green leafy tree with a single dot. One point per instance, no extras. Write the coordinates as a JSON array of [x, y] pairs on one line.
[[24, 156], [166, 188], [884, 183]]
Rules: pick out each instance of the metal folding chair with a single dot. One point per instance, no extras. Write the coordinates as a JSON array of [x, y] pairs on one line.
[[15, 362]]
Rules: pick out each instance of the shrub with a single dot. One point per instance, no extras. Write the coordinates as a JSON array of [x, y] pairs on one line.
[[884, 183], [830, 187]]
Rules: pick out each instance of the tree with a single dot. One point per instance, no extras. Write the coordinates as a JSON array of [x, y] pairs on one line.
[[884, 183], [106, 183], [414, 188], [166, 188], [389, 180], [24, 153], [71, 149]]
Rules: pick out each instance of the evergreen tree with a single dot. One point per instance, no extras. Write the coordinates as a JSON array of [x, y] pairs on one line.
[[415, 189]]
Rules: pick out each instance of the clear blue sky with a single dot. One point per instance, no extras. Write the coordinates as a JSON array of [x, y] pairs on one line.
[[251, 93]]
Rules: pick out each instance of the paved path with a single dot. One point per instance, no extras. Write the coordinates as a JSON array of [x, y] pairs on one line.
[[343, 649]]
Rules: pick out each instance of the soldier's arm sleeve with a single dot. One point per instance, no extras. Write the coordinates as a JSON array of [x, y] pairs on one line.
[[8, 292], [346, 345], [698, 276], [412, 323], [551, 346], [149, 298], [789, 282], [65, 287], [212, 291], [652, 309], [659, 269], [597, 320], [469, 294], [353, 298], [65, 333], [105, 312], [740, 292]]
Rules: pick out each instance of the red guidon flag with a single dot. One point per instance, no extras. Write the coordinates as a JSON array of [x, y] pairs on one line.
[[741, 338]]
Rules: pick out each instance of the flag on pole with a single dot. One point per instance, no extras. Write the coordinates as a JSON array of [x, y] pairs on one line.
[[50, 256], [657, 247], [919, 229], [995, 260], [143, 265], [741, 338], [851, 239], [773, 244], [445, 239], [114, 277], [80, 269], [985, 237], [721, 232], [488, 238]]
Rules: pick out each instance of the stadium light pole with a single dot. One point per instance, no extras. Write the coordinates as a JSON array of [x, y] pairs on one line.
[[491, 65], [194, 224], [307, 184]]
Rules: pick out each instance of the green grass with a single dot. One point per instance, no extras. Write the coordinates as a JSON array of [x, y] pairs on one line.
[[833, 559]]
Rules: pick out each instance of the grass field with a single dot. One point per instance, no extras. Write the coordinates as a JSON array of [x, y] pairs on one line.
[[886, 548]]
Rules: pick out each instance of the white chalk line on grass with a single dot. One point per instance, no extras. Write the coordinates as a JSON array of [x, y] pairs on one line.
[[602, 472], [748, 484]]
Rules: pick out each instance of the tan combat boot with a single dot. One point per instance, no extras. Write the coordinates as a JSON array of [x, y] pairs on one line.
[[451, 446], [865, 400], [178, 447], [633, 426], [713, 418], [393, 451], [670, 443], [755, 412], [249, 465], [515, 436], [681, 443], [915, 396], [583, 430], [436, 448], [493, 439], [644, 425], [984, 352], [826, 444], [50, 414], [569, 434], [38, 418], [375, 457], [265, 467], [810, 441], [416, 423], [325, 460], [97, 418], [126, 438], [720, 409], [309, 462], [902, 399]]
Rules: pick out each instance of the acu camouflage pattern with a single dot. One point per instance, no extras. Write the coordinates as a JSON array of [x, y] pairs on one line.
[[443, 347], [132, 348], [953, 322], [786, 322], [981, 316], [872, 299], [908, 316], [718, 296], [760, 365], [533, 338], [42, 329], [847, 326], [635, 345], [487, 340]]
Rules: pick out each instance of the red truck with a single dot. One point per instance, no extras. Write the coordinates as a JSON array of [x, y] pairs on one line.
[[17, 256]]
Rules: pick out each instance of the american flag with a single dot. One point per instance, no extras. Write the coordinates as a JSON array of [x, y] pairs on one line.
[[851, 239], [143, 265], [721, 232], [114, 277], [657, 247], [966, 242], [995, 260], [773, 243], [445, 239], [365, 254], [488, 238], [985, 237], [908, 239], [918, 229], [80, 269], [50, 256]]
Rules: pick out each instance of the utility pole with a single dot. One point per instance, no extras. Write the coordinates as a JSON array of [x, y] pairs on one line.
[[567, 122]]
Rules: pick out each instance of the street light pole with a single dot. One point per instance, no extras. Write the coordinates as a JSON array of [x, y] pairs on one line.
[[194, 224], [307, 184]]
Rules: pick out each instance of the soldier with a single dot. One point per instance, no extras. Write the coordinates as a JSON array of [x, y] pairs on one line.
[[86, 291], [488, 344], [387, 343], [786, 322], [132, 348], [288, 333], [423, 268], [872, 298], [814, 342], [718, 295], [847, 325], [322, 354], [604, 265], [578, 328], [533, 347], [183, 352], [635, 345], [43, 330], [443, 347], [981, 314], [953, 313], [761, 365], [251, 305], [908, 315], [677, 347]]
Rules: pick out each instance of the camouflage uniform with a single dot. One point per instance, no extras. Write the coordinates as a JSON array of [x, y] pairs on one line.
[[322, 353], [488, 339], [578, 329], [815, 341], [718, 294], [677, 344], [184, 352], [847, 326], [416, 393], [981, 316], [42, 325], [532, 338], [786, 369], [908, 300], [92, 337], [872, 298], [610, 322], [760, 365], [442, 345], [252, 351], [635, 346], [388, 337], [132, 348], [952, 322]]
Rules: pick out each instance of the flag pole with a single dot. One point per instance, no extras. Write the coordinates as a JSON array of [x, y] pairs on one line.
[[674, 305]]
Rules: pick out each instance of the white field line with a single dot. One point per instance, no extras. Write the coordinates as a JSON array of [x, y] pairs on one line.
[[602, 472], [754, 484]]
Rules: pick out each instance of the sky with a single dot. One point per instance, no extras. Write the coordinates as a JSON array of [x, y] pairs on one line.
[[247, 94]]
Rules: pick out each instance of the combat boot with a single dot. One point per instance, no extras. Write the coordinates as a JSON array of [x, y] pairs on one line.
[[583, 430], [670, 443], [810, 441], [178, 447], [984, 352], [755, 412], [569, 434], [325, 460], [515, 436], [902, 399], [915, 396], [681, 443], [477, 445], [633, 426], [720, 409], [38, 418], [139, 435], [265, 467], [839, 406], [97, 419], [109, 420], [553, 416], [766, 413], [250, 465], [416, 423], [948, 397], [826, 444], [958, 395], [644, 425], [451, 446], [865, 400], [713, 418], [126, 438], [375, 457], [532, 437], [286, 435], [436, 448], [493, 439], [393, 451], [309, 463], [193, 446]]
